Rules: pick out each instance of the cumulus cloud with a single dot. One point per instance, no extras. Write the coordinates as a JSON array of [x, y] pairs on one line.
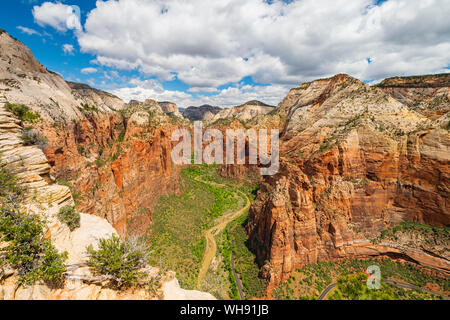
[[68, 48], [57, 15], [232, 96], [152, 89], [89, 70], [210, 43]]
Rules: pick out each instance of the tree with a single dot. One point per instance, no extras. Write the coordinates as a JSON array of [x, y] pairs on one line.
[[120, 260]]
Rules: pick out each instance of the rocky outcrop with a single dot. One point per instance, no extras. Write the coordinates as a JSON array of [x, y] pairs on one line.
[[172, 291], [425, 81], [93, 98], [24, 80], [244, 113], [353, 162], [428, 95], [205, 112], [170, 108]]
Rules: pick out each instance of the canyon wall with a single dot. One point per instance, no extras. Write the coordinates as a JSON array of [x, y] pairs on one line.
[[354, 161], [428, 95], [115, 157]]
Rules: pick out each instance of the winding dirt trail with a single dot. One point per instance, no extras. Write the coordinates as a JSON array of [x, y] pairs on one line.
[[222, 222]]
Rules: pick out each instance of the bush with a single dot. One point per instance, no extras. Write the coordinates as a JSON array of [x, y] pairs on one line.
[[31, 137], [27, 251], [354, 287], [21, 111], [119, 259], [70, 217], [9, 185]]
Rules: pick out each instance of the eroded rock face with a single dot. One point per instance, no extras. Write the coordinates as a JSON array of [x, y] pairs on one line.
[[114, 156], [353, 162], [245, 112], [45, 198], [428, 95], [118, 166], [94, 98], [170, 109]]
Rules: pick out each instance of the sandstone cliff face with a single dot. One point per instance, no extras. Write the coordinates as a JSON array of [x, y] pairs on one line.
[[353, 162], [91, 97], [170, 109], [24, 80], [115, 157], [45, 198], [245, 112], [118, 164], [428, 95]]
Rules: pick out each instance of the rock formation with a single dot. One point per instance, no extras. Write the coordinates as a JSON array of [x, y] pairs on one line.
[[114, 156], [428, 95], [170, 109], [354, 161], [45, 198], [245, 112], [204, 112]]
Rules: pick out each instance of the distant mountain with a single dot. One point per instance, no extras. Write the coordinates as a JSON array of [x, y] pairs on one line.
[[244, 112], [204, 112]]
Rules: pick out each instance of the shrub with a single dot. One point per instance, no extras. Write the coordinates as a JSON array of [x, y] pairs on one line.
[[120, 260], [21, 111], [354, 287], [27, 251], [70, 217], [9, 185], [31, 136]]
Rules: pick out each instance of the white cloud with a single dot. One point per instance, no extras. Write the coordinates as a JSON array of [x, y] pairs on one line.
[[207, 44], [89, 70], [211, 43], [57, 15], [152, 89], [233, 96], [28, 31], [204, 89], [68, 48]]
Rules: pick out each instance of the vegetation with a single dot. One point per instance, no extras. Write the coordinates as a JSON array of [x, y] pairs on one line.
[[431, 233], [354, 287], [309, 281], [119, 260], [22, 112], [31, 136], [86, 107], [34, 257], [180, 220], [70, 217], [26, 249], [225, 248], [245, 260], [178, 224], [10, 188]]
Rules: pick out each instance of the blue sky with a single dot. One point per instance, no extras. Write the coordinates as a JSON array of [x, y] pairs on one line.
[[226, 52]]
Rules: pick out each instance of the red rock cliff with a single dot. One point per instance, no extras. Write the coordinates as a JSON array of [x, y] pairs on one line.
[[353, 162]]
